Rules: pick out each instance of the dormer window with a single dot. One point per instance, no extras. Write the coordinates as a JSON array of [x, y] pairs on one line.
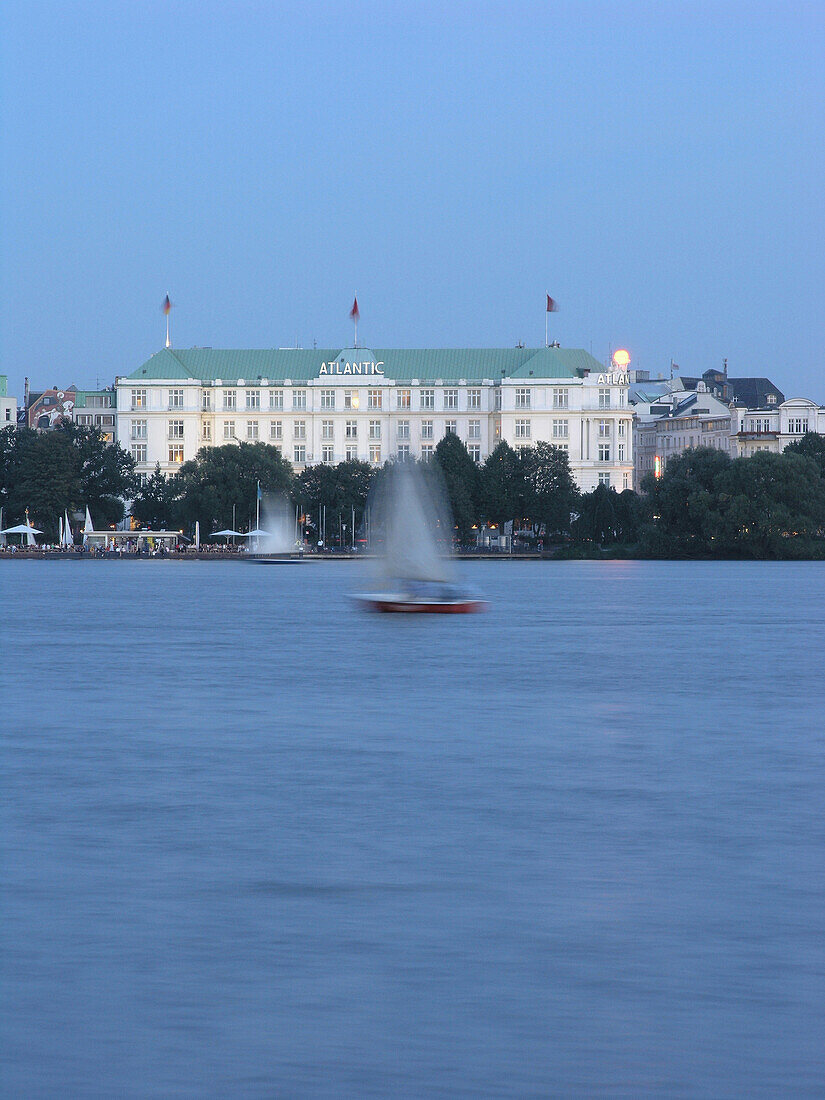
[[771, 398]]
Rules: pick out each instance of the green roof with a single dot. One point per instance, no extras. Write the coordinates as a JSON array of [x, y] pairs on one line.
[[81, 396], [427, 365]]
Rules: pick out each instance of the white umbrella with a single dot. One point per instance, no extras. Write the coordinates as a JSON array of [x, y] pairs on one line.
[[23, 529], [228, 532]]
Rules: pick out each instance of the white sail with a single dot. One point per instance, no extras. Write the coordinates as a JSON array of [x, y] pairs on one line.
[[68, 538], [412, 527]]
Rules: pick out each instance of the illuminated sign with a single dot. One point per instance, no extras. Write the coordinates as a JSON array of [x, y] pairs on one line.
[[340, 367], [615, 378]]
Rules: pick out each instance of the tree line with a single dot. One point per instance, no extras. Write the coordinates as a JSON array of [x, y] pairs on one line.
[[705, 504]]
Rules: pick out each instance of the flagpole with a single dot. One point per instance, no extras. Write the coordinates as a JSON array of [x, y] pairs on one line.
[[546, 318], [168, 341]]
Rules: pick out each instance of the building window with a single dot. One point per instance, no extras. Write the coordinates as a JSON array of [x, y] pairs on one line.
[[621, 429], [276, 399], [561, 399], [473, 399], [139, 452], [562, 447], [771, 399], [299, 429], [253, 399], [327, 399], [450, 427], [426, 429], [252, 429], [522, 399], [229, 429], [327, 453], [604, 398], [403, 399], [426, 452], [138, 399], [604, 452], [474, 429], [206, 431], [230, 400], [276, 430], [604, 429], [620, 452], [604, 479], [375, 429], [497, 399], [403, 452], [176, 429], [428, 399], [374, 399], [403, 429], [797, 426], [351, 454], [375, 454], [561, 429], [522, 429], [351, 399], [351, 429], [138, 429], [176, 452], [206, 400], [299, 453], [626, 480], [175, 399], [299, 399], [451, 399], [475, 451], [327, 429]]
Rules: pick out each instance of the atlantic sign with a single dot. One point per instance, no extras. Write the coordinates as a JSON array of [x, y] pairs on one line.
[[339, 367]]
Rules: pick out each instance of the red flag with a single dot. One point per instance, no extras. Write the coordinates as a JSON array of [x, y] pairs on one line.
[[552, 305], [167, 306], [355, 312]]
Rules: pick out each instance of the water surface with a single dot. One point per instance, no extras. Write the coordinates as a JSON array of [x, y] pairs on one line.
[[258, 843]]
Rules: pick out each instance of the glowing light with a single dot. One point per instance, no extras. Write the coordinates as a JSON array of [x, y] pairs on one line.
[[621, 358], [657, 466]]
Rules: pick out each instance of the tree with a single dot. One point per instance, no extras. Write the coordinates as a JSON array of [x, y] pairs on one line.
[[340, 489], [551, 492], [461, 480], [684, 502], [772, 506], [156, 503], [66, 469], [220, 479], [811, 445], [503, 488]]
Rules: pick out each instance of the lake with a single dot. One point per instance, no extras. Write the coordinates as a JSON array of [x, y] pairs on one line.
[[256, 842]]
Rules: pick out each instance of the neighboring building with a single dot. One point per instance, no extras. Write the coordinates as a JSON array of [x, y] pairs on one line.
[[96, 409], [329, 406], [693, 419], [8, 405], [737, 415], [45, 409], [773, 428]]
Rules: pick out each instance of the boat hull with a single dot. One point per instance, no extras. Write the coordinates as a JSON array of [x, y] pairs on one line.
[[397, 605]]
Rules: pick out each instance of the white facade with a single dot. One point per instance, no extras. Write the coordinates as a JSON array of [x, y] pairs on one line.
[[335, 416], [773, 429], [8, 407]]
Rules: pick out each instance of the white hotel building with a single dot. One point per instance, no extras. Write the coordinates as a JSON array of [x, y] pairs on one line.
[[374, 405]]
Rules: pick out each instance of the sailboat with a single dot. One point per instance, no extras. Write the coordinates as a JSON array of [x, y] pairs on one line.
[[416, 569]]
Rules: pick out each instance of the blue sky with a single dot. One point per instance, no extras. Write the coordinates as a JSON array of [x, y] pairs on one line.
[[657, 167]]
